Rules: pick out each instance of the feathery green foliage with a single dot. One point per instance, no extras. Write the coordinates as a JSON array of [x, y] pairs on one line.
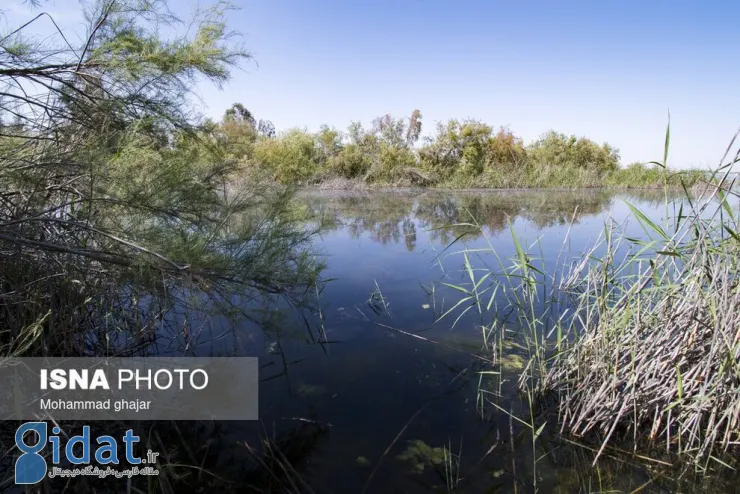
[[114, 192]]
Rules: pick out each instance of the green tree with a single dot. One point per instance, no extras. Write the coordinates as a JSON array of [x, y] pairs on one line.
[[394, 159], [329, 142], [560, 150], [291, 158], [358, 155], [237, 133], [111, 182]]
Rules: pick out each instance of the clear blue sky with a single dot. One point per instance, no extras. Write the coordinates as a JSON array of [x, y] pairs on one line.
[[606, 70]]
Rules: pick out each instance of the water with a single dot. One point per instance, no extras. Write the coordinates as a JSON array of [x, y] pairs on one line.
[[374, 397], [374, 407]]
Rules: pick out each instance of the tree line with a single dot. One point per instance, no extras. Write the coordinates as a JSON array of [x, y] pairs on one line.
[[459, 153]]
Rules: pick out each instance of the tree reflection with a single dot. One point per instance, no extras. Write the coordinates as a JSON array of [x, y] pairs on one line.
[[396, 216]]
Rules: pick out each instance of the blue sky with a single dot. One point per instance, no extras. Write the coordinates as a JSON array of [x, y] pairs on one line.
[[610, 71]]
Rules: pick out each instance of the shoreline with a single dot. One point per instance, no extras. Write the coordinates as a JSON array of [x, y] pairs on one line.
[[364, 187]]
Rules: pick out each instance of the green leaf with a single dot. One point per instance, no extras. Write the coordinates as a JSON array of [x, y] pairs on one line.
[[679, 383], [483, 278], [680, 215], [539, 431], [667, 141], [457, 287], [732, 233], [462, 314], [726, 204], [645, 221], [460, 302], [493, 295], [520, 252], [469, 269]]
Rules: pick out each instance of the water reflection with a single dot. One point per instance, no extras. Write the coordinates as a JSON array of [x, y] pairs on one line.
[[396, 216]]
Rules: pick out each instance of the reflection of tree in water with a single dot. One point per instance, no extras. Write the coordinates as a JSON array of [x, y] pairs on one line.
[[384, 216], [493, 211], [393, 216], [409, 234]]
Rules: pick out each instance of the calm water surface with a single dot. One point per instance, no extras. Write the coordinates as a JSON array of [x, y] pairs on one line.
[[357, 404]]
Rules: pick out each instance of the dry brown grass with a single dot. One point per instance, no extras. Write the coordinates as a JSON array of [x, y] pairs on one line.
[[664, 364]]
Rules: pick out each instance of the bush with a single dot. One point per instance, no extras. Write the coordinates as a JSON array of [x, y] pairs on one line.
[[351, 162], [469, 148], [506, 149], [461, 154], [392, 164], [329, 143], [442, 153], [555, 149], [237, 133], [291, 157]]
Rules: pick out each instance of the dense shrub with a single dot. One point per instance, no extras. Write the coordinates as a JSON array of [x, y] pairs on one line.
[[473, 139], [292, 157], [441, 153], [355, 157], [385, 152], [329, 144], [458, 147], [237, 133], [555, 149], [392, 165], [506, 149], [351, 162], [469, 148]]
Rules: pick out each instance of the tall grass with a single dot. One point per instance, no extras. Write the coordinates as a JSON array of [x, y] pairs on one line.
[[638, 175], [658, 354], [638, 341]]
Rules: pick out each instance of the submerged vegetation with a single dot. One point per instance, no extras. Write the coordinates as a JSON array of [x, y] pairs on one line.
[[459, 154]]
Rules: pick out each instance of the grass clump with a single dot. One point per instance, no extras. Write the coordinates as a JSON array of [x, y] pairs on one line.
[[641, 175], [637, 343], [662, 360], [657, 354]]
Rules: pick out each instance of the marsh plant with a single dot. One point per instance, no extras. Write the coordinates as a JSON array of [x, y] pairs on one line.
[[635, 344]]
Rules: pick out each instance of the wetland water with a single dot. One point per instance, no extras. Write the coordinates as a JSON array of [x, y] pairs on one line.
[[356, 401], [372, 393]]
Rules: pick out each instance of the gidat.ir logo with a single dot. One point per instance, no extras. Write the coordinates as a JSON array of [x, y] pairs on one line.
[[32, 437], [30, 467]]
